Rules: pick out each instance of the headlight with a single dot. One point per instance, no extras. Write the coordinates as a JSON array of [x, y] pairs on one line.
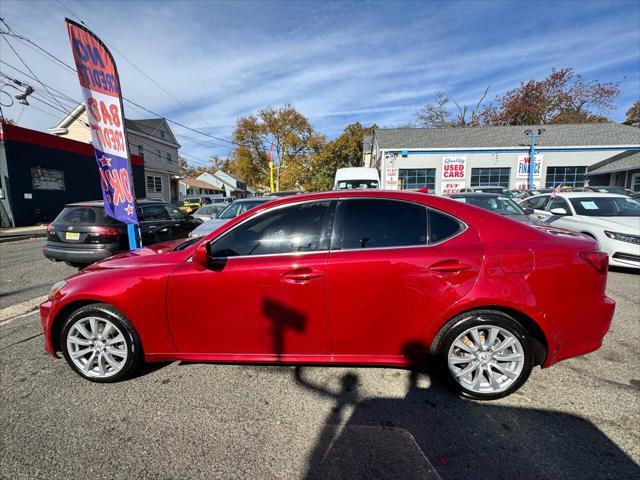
[[56, 288], [623, 237]]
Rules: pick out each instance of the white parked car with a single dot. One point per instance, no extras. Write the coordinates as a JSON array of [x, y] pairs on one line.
[[613, 220], [232, 211], [356, 178]]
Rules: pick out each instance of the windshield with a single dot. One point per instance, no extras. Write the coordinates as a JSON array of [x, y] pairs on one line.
[[501, 205], [501, 191], [357, 184], [606, 206], [239, 207]]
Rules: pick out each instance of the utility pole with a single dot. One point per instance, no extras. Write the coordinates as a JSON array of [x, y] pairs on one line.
[[532, 152]]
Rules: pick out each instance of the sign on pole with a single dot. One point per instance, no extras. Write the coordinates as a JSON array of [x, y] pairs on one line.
[[102, 96], [523, 166]]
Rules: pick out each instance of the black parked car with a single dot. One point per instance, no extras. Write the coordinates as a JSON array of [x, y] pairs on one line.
[[497, 204], [82, 233]]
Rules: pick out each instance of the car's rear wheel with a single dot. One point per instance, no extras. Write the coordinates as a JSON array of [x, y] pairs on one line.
[[100, 344], [486, 355]]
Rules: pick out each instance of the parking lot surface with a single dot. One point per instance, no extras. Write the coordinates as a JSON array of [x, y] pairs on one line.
[[579, 419]]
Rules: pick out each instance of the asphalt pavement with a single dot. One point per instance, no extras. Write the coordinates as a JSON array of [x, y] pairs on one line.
[[578, 420]]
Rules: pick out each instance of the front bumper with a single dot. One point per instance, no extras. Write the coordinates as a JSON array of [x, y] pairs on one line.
[[46, 320]]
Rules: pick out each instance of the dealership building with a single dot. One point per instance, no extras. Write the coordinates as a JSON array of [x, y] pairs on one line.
[[448, 159]]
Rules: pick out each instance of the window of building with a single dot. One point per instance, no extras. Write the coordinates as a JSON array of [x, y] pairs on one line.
[[413, 178], [162, 134], [297, 228], [569, 176], [141, 150], [154, 184], [371, 223], [169, 159], [490, 176], [159, 154]]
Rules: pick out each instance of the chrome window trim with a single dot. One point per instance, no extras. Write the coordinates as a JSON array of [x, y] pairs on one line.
[[464, 228]]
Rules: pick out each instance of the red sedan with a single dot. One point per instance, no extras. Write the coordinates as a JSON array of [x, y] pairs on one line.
[[352, 277]]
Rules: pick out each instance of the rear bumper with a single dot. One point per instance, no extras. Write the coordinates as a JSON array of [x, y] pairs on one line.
[[78, 255], [579, 329]]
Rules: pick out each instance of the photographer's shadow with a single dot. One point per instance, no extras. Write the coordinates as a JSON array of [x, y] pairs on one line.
[[431, 433]]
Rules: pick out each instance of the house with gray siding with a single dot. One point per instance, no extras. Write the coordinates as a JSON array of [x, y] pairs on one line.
[[448, 159], [150, 138]]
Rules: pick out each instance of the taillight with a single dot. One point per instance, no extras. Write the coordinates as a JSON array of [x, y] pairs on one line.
[[50, 228], [105, 231], [598, 260]]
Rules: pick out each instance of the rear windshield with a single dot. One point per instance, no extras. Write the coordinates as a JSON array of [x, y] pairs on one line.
[[78, 215]]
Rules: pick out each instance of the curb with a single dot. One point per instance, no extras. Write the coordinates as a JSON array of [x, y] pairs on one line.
[[28, 306], [15, 238]]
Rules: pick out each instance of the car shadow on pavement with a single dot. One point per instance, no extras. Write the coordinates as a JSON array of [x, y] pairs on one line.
[[432, 433]]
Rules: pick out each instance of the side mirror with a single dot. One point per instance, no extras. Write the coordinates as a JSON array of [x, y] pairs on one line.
[[529, 211], [558, 211], [201, 255]]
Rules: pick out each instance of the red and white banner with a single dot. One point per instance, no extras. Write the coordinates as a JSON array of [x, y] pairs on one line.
[[100, 88]]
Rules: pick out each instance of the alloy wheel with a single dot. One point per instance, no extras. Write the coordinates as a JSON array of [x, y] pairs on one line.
[[486, 359], [97, 347]]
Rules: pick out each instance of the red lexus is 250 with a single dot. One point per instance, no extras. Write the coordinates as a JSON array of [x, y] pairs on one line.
[[345, 277]]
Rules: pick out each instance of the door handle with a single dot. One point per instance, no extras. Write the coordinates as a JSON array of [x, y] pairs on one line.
[[302, 276], [449, 266]]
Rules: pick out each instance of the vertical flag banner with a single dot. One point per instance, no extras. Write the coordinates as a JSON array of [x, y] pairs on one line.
[[100, 87]]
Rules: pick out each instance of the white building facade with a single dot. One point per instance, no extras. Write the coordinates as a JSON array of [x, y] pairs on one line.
[[448, 159], [151, 139]]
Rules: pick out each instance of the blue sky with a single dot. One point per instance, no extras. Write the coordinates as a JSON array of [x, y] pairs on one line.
[[336, 62]]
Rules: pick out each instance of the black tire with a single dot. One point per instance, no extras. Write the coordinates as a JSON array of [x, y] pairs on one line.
[[458, 325], [134, 346]]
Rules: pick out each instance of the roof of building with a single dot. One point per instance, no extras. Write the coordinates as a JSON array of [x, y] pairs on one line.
[[571, 135], [147, 126], [628, 160], [367, 141], [195, 183]]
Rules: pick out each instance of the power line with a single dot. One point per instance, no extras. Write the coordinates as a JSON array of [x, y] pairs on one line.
[[142, 71], [31, 71], [69, 67]]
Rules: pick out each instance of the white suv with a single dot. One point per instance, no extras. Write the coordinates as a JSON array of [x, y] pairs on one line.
[[613, 220]]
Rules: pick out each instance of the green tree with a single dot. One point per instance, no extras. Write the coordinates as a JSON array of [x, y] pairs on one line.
[[295, 143], [344, 151], [633, 115]]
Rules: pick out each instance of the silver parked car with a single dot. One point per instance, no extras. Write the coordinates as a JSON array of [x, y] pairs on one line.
[[209, 211], [236, 208]]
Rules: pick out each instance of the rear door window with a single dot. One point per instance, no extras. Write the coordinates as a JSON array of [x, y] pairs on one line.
[[376, 223], [154, 212], [442, 226]]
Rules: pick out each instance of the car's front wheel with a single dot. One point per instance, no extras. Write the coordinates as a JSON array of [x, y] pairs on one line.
[[486, 355], [100, 344]]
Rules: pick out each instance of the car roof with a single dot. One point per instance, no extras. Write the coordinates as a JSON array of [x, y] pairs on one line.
[[100, 203], [474, 194], [588, 194]]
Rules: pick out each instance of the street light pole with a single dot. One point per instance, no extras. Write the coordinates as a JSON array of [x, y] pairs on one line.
[[532, 152]]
